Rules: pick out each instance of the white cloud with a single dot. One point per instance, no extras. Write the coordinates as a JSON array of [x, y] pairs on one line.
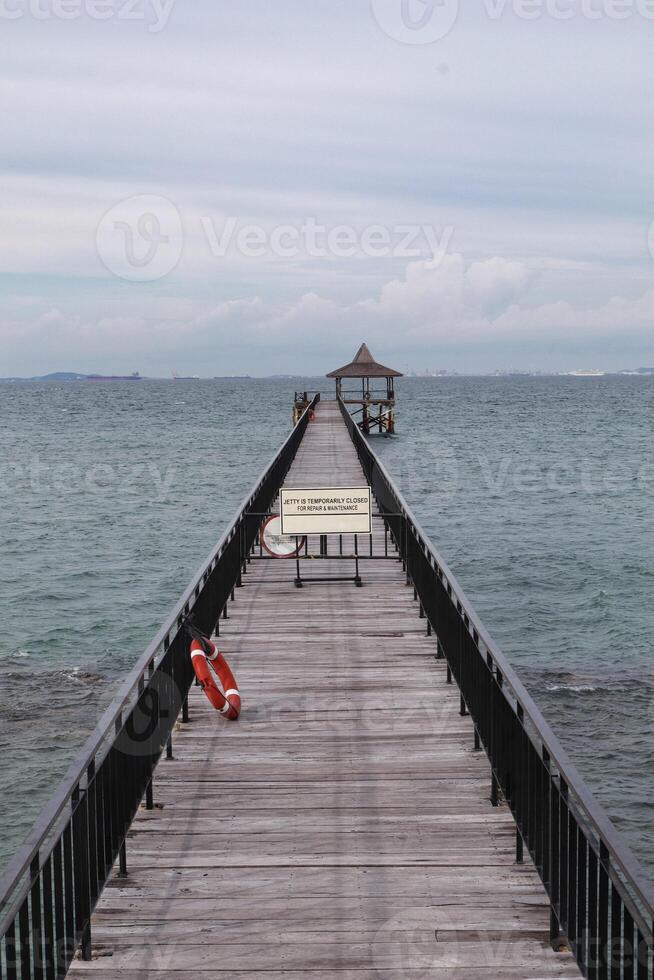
[[497, 282], [430, 308], [558, 320]]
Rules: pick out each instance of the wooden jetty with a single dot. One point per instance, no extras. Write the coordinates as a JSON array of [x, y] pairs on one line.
[[343, 828], [390, 803]]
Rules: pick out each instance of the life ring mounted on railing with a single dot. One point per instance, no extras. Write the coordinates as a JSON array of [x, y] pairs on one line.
[[208, 664]]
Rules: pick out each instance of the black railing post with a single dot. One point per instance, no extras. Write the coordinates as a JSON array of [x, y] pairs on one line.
[[555, 928], [123, 860], [51, 916], [240, 532], [36, 938], [547, 817], [490, 746], [519, 847], [582, 899], [604, 908], [24, 956], [407, 561], [82, 904], [593, 920]]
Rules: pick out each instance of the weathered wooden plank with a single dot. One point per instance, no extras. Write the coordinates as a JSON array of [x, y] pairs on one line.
[[546, 970], [331, 885], [484, 955], [299, 911]]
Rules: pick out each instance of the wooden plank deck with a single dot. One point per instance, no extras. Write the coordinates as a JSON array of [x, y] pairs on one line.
[[343, 827]]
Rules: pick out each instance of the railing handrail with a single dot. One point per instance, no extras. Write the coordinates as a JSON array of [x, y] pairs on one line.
[[98, 740], [620, 852]]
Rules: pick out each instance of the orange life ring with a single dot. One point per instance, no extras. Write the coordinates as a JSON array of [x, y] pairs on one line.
[[229, 703]]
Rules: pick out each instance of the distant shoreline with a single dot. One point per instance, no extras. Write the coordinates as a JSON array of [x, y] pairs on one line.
[[69, 378]]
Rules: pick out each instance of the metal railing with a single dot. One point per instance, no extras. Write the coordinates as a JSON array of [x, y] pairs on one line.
[[602, 902], [307, 395], [50, 889]]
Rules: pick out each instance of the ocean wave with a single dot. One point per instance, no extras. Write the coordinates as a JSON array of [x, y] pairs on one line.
[[575, 688], [81, 676], [616, 681]]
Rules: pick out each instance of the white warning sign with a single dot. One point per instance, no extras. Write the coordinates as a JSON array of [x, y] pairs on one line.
[[330, 511]]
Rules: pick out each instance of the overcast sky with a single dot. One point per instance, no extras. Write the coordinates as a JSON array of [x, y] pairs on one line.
[[255, 186]]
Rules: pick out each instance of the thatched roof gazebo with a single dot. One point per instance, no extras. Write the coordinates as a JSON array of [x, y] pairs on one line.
[[364, 366], [377, 407]]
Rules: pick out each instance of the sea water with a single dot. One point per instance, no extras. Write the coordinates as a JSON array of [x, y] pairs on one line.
[[538, 492]]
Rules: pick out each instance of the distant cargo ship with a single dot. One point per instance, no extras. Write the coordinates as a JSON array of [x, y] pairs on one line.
[[588, 374], [114, 377], [190, 377]]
